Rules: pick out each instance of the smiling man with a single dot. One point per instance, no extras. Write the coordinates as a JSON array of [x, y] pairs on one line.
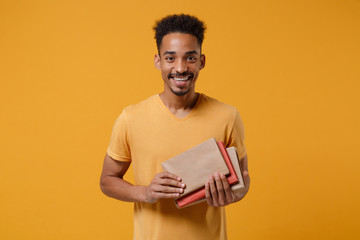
[[165, 125], [180, 62]]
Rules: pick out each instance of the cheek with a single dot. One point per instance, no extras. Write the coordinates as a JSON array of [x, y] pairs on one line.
[[195, 68], [164, 75]]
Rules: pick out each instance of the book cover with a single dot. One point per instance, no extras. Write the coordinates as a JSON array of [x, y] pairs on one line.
[[237, 166], [199, 194], [196, 164]]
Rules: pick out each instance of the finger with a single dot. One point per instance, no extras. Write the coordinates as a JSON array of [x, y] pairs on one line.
[[154, 193], [208, 194], [213, 191], [159, 195], [168, 182], [227, 190], [220, 189], [167, 175], [159, 186], [166, 189]]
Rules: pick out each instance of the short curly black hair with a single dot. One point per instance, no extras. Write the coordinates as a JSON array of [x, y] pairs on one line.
[[181, 23]]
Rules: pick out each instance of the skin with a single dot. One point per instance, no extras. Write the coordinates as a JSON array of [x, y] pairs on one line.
[[179, 58], [179, 55], [218, 191], [164, 184]]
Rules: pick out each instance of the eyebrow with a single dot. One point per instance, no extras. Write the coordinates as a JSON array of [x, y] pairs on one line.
[[191, 52], [173, 52], [168, 52]]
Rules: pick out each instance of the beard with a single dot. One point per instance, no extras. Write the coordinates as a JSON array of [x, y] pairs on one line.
[[180, 93]]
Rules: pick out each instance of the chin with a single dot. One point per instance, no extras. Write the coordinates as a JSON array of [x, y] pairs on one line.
[[180, 92]]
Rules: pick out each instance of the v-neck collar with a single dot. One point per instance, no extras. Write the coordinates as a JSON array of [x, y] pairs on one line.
[[168, 112]]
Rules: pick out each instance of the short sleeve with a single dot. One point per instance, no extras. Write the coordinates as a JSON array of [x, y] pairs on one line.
[[119, 145], [237, 136]]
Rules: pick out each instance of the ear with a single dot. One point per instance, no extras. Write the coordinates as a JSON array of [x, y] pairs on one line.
[[157, 62], [202, 61]]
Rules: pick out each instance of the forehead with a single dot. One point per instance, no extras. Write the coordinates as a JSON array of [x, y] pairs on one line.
[[179, 42]]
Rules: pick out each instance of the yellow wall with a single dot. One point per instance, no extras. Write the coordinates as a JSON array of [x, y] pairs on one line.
[[67, 68]]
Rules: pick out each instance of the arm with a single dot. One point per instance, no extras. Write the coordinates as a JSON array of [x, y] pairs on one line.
[[112, 184], [218, 191]]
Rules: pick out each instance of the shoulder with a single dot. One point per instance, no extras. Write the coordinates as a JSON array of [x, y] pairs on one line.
[[136, 111], [214, 102], [140, 107], [217, 107]]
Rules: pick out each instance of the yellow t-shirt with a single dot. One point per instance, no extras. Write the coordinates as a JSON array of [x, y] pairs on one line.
[[147, 134]]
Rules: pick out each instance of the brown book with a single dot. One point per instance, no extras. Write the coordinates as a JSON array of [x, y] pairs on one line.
[[196, 164], [232, 152], [199, 194], [236, 164]]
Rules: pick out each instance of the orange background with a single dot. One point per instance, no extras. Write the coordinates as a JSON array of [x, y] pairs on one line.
[[68, 68]]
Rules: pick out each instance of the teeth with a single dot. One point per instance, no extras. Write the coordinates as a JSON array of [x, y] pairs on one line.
[[181, 79]]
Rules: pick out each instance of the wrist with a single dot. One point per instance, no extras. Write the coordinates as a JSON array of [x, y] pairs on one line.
[[139, 194], [143, 195]]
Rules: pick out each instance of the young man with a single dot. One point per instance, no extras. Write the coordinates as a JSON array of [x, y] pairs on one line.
[[167, 124]]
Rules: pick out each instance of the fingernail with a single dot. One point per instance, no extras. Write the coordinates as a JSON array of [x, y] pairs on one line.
[[222, 175], [181, 190], [179, 179], [182, 185], [216, 175]]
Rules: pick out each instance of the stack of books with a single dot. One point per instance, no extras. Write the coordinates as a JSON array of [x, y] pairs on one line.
[[195, 165]]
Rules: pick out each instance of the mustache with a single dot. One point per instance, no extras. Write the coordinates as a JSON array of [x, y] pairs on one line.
[[172, 75]]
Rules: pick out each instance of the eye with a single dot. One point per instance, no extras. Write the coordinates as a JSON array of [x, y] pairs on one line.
[[169, 58], [191, 59]]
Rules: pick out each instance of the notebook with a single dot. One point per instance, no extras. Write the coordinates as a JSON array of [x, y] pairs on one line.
[[196, 164]]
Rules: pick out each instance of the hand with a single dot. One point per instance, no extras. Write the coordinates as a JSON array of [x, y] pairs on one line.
[[164, 185], [218, 192]]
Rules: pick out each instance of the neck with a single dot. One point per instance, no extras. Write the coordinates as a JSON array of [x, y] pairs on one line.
[[173, 101]]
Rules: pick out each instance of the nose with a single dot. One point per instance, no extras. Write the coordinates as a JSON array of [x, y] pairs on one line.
[[181, 66]]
